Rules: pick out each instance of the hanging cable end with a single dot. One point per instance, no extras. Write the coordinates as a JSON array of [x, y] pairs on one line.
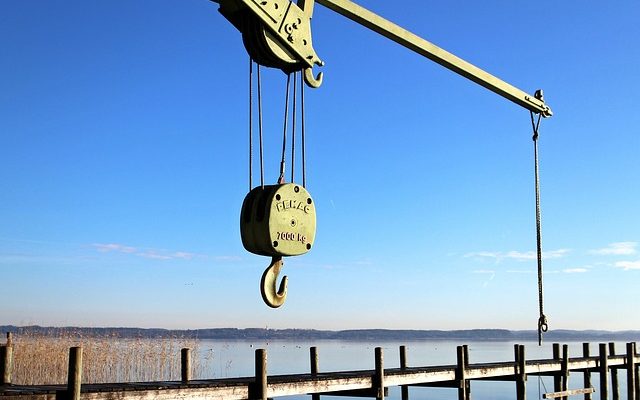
[[543, 326], [281, 177]]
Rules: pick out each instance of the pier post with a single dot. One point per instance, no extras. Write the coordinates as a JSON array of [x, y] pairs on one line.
[[565, 369], [557, 379], [604, 372], [379, 377], [313, 355], [586, 374], [6, 361], [404, 389], [615, 389], [466, 366], [6, 364], [74, 374], [521, 375], [261, 374], [185, 363], [637, 379], [631, 369], [461, 373]]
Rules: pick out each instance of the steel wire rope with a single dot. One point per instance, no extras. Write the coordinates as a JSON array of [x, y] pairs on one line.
[[284, 131], [250, 123], [260, 127], [293, 126], [543, 325], [540, 380], [302, 133]]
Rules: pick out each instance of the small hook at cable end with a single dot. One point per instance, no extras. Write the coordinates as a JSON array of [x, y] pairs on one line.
[[271, 297]]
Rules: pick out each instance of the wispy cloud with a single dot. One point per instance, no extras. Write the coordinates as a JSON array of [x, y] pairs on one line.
[[109, 247], [575, 270], [484, 271], [617, 249], [499, 256], [154, 254], [627, 265], [227, 258], [491, 273]]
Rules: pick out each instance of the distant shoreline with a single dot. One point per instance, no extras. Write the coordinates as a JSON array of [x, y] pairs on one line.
[[313, 334]]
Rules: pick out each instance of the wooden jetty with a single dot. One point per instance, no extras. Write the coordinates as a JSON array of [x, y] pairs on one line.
[[367, 383]]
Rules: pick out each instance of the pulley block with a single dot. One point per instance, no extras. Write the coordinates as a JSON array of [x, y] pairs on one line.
[[278, 220], [276, 33]]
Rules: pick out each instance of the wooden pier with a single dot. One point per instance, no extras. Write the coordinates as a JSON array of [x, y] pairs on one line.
[[367, 383]]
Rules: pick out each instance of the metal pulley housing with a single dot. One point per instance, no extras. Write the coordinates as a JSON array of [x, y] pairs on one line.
[[278, 220], [276, 33]]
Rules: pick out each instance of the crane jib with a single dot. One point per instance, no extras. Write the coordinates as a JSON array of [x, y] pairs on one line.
[[388, 29]]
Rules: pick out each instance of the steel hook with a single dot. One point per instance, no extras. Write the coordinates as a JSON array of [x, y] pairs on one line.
[[271, 297], [310, 80]]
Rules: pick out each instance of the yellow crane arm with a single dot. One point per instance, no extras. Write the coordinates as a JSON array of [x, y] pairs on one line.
[[429, 50], [294, 38]]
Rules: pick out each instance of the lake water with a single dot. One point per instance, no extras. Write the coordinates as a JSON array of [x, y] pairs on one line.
[[224, 359]]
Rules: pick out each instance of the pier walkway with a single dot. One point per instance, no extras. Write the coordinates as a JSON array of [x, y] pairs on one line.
[[366, 383]]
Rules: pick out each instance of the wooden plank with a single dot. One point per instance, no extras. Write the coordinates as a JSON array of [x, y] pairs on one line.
[[449, 384], [216, 393], [371, 393], [565, 393]]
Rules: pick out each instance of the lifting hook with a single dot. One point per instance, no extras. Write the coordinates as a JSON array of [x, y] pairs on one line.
[[271, 297], [310, 80]]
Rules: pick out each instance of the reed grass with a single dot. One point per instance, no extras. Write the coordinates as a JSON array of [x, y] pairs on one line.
[[43, 358]]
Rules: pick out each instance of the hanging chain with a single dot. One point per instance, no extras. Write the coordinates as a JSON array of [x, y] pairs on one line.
[[542, 320]]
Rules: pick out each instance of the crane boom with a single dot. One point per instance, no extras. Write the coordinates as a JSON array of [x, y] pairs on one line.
[[434, 53], [278, 33]]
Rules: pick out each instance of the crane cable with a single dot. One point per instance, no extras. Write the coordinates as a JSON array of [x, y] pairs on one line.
[[543, 325], [259, 85], [284, 131], [281, 177], [302, 133]]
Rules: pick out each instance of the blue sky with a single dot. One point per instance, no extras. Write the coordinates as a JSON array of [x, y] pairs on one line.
[[123, 166]]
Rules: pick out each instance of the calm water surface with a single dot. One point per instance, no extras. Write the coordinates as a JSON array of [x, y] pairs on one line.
[[222, 359]]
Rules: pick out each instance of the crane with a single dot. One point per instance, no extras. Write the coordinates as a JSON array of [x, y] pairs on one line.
[[277, 33]]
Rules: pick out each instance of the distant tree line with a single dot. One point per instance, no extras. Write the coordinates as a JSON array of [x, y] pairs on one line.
[[313, 334]]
